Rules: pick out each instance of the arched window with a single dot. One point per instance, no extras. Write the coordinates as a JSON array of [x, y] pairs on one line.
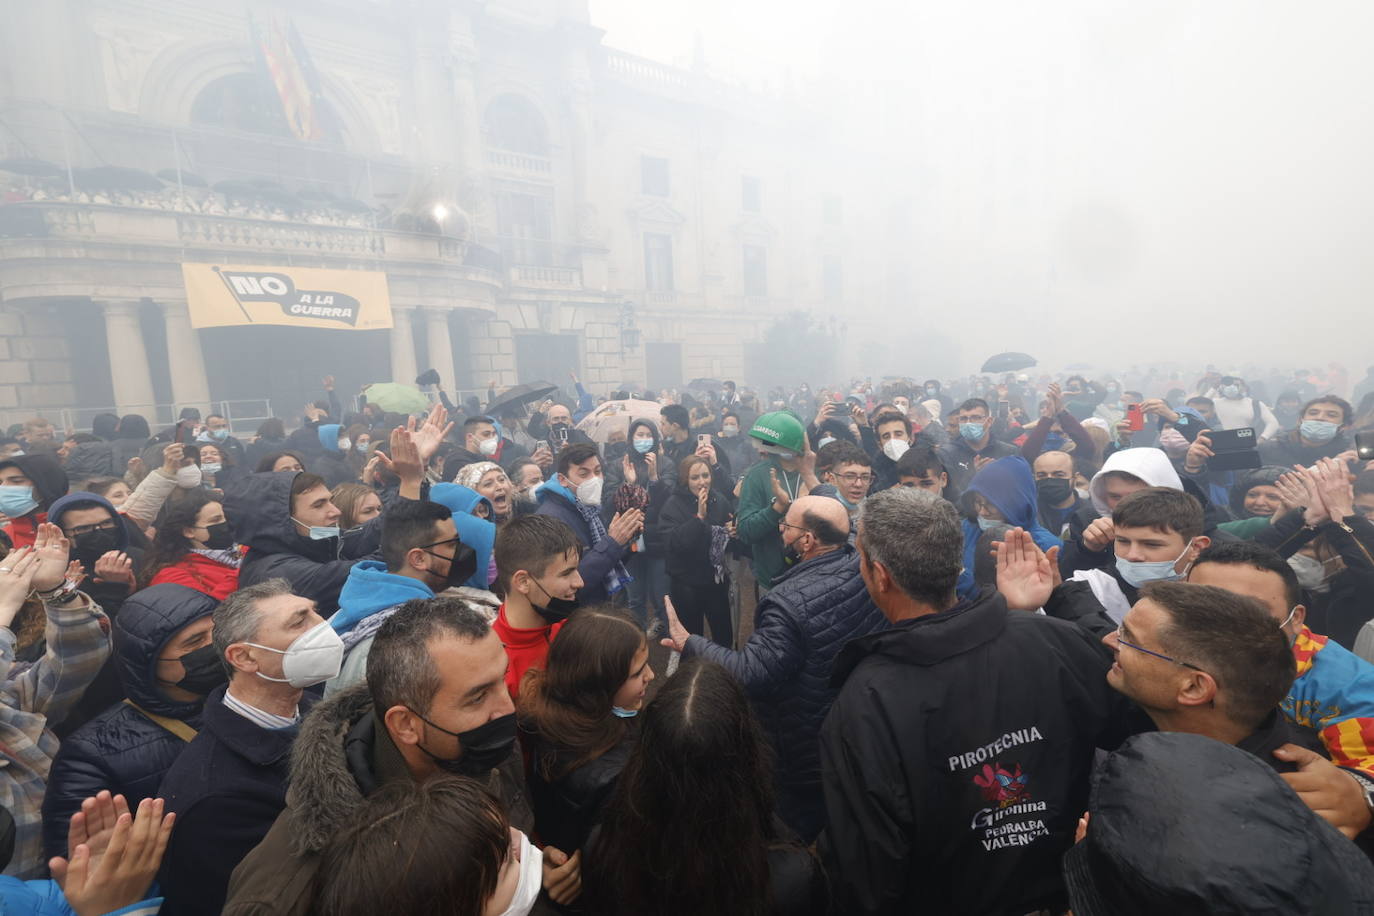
[[513, 123], [248, 102], [241, 101]]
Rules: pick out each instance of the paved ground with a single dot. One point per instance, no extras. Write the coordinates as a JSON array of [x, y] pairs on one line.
[[744, 578]]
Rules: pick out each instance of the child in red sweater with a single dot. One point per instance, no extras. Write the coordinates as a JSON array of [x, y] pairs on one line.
[[536, 561]]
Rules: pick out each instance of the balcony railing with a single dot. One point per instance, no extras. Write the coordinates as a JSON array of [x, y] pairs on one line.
[[138, 225], [511, 161], [546, 277]]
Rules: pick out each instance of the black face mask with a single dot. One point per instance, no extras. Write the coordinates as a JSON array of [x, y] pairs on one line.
[[221, 538], [790, 554], [554, 609], [1054, 490], [92, 545], [480, 749], [461, 568], [204, 671]]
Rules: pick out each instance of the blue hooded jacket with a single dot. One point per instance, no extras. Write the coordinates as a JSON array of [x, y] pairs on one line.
[[84, 500], [329, 437], [369, 589], [1009, 485], [477, 533]]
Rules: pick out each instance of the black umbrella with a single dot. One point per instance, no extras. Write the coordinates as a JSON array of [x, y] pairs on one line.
[[706, 384], [1008, 362], [34, 168], [512, 402], [116, 178], [189, 179]]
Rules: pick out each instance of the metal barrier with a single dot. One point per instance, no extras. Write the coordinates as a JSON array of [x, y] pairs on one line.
[[244, 416]]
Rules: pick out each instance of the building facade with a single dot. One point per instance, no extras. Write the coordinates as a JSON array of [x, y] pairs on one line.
[[541, 204]]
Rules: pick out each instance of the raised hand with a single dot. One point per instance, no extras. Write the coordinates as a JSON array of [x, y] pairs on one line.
[[1292, 493], [780, 494], [627, 468], [703, 500], [405, 460], [1332, 482], [625, 527], [172, 458], [1198, 453], [115, 566], [53, 550], [677, 633], [1099, 535], [1024, 576], [94, 885], [16, 581], [430, 433]]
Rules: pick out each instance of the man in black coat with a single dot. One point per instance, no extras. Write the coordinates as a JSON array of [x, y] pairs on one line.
[[955, 759], [164, 658], [229, 785], [810, 613]]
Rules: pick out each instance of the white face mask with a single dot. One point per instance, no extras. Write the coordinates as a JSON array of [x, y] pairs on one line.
[[1310, 572], [188, 477], [488, 447], [312, 658], [531, 879], [345, 444], [589, 491], [895, 448]]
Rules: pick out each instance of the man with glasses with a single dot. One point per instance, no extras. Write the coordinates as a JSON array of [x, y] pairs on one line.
[[852, 475], [1201, 659], [813, 609], [100, 542], [421, 555]]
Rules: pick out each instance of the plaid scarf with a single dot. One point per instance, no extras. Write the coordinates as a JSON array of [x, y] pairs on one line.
[[619, 576]]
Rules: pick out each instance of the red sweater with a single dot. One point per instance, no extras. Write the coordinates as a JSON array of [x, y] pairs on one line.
[[200, 573], [23, 531], [526, 648]]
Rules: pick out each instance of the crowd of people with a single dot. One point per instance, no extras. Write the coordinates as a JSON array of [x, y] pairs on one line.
[[1002, 645]]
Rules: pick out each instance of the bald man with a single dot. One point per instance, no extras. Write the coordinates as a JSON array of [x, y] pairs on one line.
[[812, 610]]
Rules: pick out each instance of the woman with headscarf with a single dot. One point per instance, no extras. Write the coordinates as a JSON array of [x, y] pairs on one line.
[[490, 480]]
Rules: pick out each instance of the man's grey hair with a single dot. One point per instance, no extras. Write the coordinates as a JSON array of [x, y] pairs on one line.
[[915, 535], [237, 619], [400, 670]]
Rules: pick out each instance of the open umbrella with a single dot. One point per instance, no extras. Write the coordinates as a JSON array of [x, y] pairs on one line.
[[1008, 362], [188, 179], [705, 384], [34, 168], [116, 178], [395, 397], [613, 415], [512, 403]]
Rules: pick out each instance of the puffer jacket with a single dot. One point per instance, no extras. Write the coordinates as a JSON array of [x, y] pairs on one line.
[[807, 617], [259, 510], [122, 749]]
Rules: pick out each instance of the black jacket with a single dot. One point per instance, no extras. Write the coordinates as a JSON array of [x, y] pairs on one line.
[[1343, 608], [804, 621], [121, 749], [958, 458], [1287, 449], [684, 539], [568, 807], [259, 511], [956, 758], [226, 789]]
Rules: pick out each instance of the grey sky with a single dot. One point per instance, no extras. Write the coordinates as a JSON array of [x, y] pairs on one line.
[[1114, 179]]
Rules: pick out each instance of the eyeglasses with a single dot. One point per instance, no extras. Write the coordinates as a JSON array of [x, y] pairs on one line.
[[1121, 639], [798, 527], [79, 530], [856, 478]]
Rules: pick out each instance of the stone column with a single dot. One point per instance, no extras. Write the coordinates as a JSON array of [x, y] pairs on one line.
[[133, 384], [440, 346], [402, 347], [185, 363]]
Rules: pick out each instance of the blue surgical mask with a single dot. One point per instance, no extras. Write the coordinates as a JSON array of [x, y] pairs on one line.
[[1318, 430], [211, 468], [972, 432], [624, 713], [362, 446], [319, 532], [1137, 574], [644, 446], [988, 523], [17, 501], [219, 435], [1230, 391]]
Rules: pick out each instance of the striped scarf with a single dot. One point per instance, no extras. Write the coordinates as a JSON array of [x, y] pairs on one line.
[[619, 576]]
